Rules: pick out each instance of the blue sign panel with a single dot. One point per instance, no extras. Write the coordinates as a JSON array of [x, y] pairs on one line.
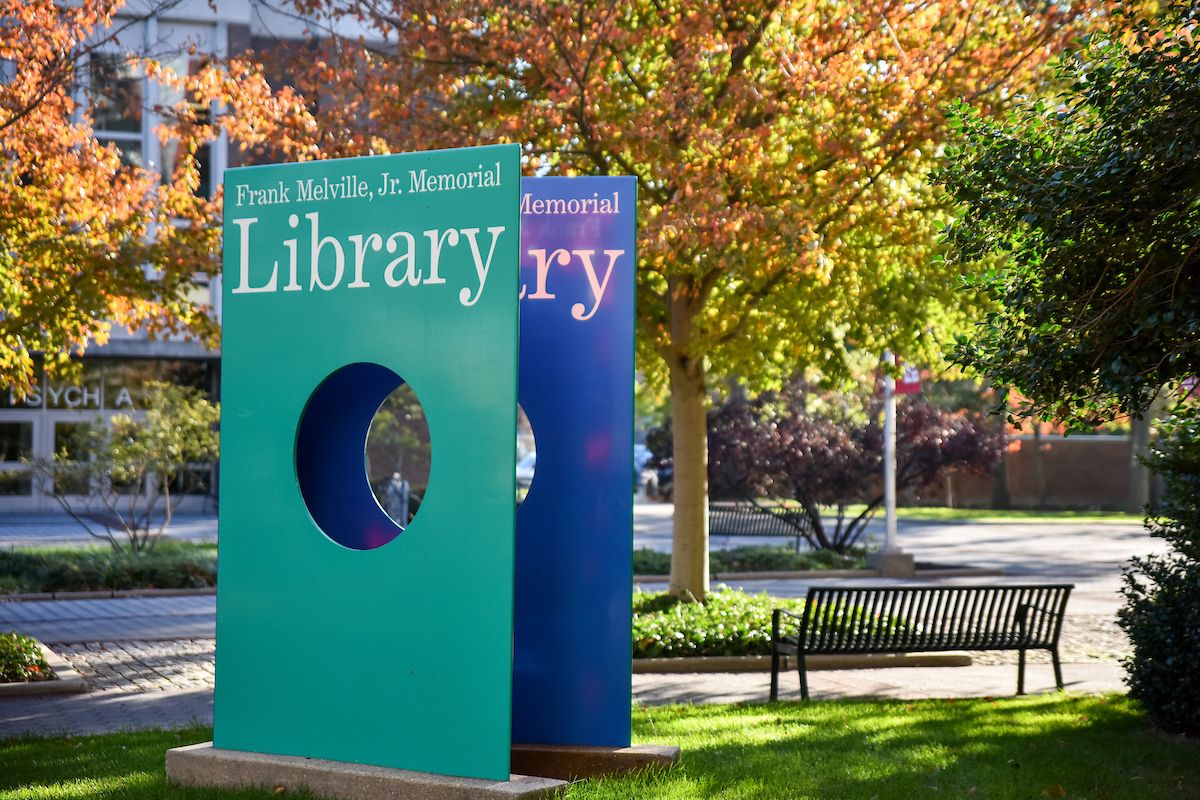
[[571, 671]]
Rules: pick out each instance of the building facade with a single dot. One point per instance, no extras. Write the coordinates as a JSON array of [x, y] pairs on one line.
[[123, 102]]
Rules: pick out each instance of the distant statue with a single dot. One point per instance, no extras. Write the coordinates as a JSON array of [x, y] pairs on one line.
[[396, 499]]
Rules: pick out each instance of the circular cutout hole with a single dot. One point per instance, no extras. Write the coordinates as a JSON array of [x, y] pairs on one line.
[[526, 455], [398, 455], [332, 465]]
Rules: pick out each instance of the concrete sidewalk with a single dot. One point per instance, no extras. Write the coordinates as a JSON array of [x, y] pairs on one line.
[[907, 683]]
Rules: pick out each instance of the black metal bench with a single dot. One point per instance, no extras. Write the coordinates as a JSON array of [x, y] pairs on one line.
[[906, 619], [746, 519]]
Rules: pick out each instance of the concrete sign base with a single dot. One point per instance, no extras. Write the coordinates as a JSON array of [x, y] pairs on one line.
[[202, 765]]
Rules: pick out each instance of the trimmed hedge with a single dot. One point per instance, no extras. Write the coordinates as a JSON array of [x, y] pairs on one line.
[[21, 660], [754, 558], [727, 623], [170, 565]]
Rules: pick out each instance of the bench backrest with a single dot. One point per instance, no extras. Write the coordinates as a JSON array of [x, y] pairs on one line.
[[745, 519], [880, 619]]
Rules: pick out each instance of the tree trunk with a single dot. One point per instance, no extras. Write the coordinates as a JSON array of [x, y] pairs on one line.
[[1139, 473], [1000, 495], [689, 547], [1039, 464]]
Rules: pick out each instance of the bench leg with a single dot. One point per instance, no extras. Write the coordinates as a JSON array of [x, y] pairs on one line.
[[803, 668], [1058, 681], [1021, 672], [774, 674]]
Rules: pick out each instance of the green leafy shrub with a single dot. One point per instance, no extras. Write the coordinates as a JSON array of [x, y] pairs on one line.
[[754, 558], [21, 660], [1162, 593], [170, 565], [135, 468], [727, 623]]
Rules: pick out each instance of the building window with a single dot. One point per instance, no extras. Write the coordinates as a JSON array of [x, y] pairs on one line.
[[16, 440], [191, 46], [117, 105], [16, 444], [195, 479], [71, 447]]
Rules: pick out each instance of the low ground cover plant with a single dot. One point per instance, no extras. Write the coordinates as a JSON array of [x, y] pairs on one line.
[[170, 565], [728, 623], [21, 660], [754, 558]]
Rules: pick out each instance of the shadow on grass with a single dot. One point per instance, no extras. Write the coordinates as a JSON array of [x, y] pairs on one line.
[[1044, 746], [129, 766], [1057, 746]]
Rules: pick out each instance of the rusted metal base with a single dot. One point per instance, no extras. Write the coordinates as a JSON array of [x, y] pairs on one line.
[[573, 762]]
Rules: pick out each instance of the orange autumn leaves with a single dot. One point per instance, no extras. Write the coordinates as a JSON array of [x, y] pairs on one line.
[[83, 244], [780, 150], [780, 147]]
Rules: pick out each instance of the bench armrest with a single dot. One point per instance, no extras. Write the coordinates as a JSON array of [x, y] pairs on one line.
[[1055, 617], [1024, 608], [778, 617]]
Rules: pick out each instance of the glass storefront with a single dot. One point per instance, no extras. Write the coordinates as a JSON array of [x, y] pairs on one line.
[[51, 418]]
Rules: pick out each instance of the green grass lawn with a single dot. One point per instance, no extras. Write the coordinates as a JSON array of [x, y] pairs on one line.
[[1031, 747], [939, 514]]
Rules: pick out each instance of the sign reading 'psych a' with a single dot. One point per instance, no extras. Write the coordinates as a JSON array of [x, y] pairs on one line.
[[344, 280], [574, 530]]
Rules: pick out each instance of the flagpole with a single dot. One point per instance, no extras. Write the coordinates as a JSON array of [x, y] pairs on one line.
[[889, 453]]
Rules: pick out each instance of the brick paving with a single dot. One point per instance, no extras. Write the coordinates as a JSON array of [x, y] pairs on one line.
[[1086, 639], [160, 666], [132, 685]]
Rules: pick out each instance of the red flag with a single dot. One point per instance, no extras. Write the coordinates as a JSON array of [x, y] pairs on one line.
[[910, 382]]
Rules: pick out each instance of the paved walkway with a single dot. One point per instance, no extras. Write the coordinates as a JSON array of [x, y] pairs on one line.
[[148, 661], [113, 620], [896, 682]]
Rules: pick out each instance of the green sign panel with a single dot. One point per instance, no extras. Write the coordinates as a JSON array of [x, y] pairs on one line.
[[340, 634]]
